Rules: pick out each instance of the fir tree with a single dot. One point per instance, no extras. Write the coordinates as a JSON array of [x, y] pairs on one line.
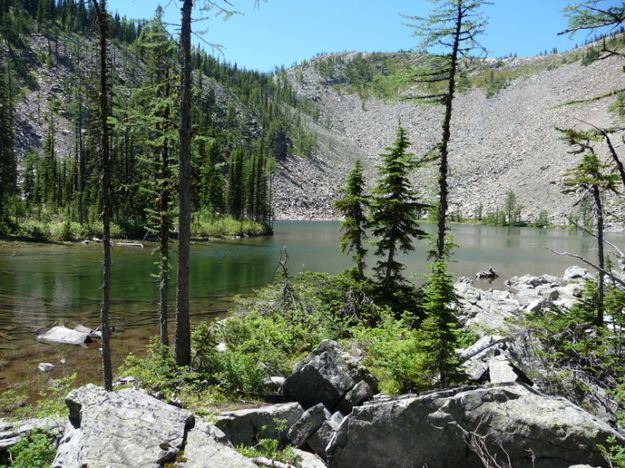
[[394, 212], [8, 162], [453, 26], [438, 333], [353, 206]]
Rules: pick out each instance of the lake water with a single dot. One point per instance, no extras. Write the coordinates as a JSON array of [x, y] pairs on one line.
[[42, 285]]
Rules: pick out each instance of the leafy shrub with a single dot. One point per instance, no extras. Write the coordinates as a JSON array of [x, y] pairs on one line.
[[270, 448], [34, 451]]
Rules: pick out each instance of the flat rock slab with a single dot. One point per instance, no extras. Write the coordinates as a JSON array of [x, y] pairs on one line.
[[248, 426], [431, 430], [120, 429], [63, 335]]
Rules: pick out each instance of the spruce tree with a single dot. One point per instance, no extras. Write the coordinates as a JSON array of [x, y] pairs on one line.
[[8, 161], [353, 206], [438, 333], [394, 212]]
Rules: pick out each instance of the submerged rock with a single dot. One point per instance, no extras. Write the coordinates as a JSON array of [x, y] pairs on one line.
[[63, 335]]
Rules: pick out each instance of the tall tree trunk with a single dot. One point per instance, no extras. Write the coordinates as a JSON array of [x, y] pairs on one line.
[[106, 197], [601, 259], [164, 224], [183, 327], [443, 165]]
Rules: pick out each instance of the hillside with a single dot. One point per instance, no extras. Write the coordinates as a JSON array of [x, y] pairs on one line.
[[503, 135]]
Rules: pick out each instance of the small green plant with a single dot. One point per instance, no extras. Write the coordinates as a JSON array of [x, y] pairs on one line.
[[34, 451], [271, 449]]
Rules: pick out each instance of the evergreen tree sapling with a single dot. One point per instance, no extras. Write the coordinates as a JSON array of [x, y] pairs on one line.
[[438, 333], [394, 212], [353, 205]]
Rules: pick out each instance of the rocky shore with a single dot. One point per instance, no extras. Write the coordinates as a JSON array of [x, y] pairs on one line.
[[332, 412]]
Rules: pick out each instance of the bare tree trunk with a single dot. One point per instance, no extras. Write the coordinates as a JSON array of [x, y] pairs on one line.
[[601, 259], [164, 224], [106, 197], [183, 327], [444, 148]]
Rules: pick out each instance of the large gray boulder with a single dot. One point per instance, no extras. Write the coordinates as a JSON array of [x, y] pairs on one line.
[[207, 446], [12, 431], [327, 376], [120, 429], [432, 430], [248, 426]]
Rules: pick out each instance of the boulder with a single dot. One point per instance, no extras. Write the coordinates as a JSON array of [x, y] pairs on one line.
[[45, 366], [207, 446], [576, 273], [436, 429], [309, 460], [248, 426], [118, 429], [319, 441], [311, 420], [63, 335], [326, 376]]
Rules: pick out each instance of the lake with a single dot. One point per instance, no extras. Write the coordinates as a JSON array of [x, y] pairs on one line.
[[42, 285]]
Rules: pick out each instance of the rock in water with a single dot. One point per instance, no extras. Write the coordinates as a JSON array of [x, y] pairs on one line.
[[326, 376], [120, 429], [63, 335], [432, 429]]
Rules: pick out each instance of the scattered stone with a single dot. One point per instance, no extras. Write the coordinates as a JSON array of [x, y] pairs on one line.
[[575, 272], [359, 393], [326, 376], [432, 429], [45, 366], [274, 383], [320, 439], [248, 426], [501, 371], [221, 347], [63, 335], [311, 420], [125, 428]]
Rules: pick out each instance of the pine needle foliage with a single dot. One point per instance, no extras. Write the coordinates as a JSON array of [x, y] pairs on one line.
[[353, 206], [394, 212]]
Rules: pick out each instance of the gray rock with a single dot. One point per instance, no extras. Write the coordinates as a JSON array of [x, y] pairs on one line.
[[118, 429], [63, 335], [45, 366], [319, 441], [207, 446], [274, 383], [359, 393], [326, 376], [500, 370], [11, 432], [247, 427], [309, 460], [311, 420], [431, 429], [575, 273]]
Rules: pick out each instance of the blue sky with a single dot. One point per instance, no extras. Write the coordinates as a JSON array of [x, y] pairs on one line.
[[281, 32]]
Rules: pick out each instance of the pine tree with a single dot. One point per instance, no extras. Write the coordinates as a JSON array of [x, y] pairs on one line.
[[438, 333], [353, 206], [452, 26], [394, 212], [8, 161], [591, 178]]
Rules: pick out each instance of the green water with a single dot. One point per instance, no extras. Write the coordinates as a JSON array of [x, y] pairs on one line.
[[42, 285]]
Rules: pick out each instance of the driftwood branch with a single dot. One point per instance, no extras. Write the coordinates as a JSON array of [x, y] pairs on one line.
[[609, 274]]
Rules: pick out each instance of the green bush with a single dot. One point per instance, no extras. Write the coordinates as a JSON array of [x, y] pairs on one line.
[[34, 451], [270, 448]]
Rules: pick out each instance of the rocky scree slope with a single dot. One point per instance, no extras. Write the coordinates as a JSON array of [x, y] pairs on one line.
[[500, 143]]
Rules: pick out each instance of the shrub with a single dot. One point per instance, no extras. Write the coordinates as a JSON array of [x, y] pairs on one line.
[[34, 451]]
